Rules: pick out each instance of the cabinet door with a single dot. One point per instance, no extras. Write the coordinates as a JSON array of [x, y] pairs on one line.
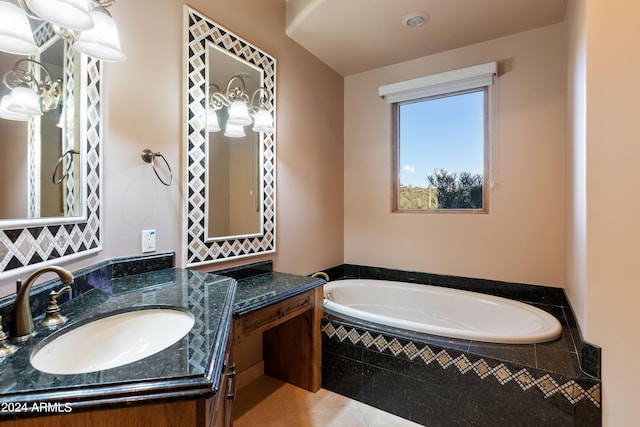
[[221, 405]]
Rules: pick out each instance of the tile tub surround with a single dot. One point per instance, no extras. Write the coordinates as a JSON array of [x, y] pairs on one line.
[[550, 299], [442, 381], [441, 385], [188, 369]]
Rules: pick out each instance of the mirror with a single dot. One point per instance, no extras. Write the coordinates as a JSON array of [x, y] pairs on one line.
[[44, 144], [230, 209], [234, 199], [50, 206]]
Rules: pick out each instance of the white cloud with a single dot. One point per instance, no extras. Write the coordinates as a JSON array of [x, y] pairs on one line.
[[408, 168]]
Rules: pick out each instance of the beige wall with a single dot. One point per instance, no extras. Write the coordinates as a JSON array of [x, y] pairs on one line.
[[143, 109], [522, 238], [576, 143], [603, 250]]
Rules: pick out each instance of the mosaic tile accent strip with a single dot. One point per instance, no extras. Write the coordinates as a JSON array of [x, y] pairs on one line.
[[464, 363], [71, 207], [32, 244], [197, 296], [200, 32]]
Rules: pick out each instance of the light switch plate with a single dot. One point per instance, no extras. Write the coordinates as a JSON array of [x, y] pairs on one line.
[[148, 240]]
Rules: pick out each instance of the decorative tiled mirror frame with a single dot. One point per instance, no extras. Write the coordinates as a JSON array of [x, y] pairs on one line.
[[29, 243], [199, 32]]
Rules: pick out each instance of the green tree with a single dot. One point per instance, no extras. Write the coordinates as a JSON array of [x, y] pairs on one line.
[[457, 190]]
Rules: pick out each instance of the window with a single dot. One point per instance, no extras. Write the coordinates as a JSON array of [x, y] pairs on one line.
[[441, 141]]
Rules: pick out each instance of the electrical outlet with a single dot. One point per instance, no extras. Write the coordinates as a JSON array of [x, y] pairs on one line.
[[148, 240]]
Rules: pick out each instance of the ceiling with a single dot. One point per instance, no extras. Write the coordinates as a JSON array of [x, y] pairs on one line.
[[352, 36]]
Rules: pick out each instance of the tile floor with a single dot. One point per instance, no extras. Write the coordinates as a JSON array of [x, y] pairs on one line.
[[268, 402]]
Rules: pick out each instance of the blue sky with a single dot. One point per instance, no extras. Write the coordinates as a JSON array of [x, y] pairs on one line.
[[445, 133]]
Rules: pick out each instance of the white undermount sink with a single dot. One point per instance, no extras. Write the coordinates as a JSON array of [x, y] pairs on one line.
[[112, 341]]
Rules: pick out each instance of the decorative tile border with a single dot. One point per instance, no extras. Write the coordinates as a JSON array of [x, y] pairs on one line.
[[40, 241], [71, 197], [199, 32], [464, 363]]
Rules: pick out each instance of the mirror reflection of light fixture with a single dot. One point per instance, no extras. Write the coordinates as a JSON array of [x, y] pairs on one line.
[[85, 23], [234, 131], [212, 120], [31, 95], [5, 113], [243, 110]]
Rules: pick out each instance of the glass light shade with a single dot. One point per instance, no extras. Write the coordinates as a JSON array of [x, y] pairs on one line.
[[10, 115], [24, 101], [102, 41], [72, 14], [212, 121], [15, 32], [234, 131], [60, 123], [262, 121], [239, 114]]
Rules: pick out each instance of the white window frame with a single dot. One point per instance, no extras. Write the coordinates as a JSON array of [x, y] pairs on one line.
[[434, 86]]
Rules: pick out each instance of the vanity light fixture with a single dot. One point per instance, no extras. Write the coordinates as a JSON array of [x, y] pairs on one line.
[[85, 23], [243, 110], [33, 91]]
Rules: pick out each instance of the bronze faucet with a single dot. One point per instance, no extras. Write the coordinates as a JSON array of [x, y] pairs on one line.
[[321, 274], [21, 320]]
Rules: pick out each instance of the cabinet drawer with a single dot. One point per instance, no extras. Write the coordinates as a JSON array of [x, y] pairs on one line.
[[272, 315]]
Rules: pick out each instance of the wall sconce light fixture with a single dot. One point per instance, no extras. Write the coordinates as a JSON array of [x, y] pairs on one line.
[[243, 110], [33, 91], [85, 23]]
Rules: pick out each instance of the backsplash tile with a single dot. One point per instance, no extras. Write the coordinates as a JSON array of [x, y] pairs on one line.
[[591, 356], [86, 279]]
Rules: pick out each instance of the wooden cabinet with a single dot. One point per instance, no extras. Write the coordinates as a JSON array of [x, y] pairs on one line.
[[219, 408], [273, 315], [292, 340], [292, 352], [216, 411]]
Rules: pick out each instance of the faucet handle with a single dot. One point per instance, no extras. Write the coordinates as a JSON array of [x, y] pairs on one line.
[[53, 316], [6, 349]]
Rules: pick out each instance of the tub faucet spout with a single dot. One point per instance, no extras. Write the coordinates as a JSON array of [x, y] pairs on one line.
[[321, 274], [21, 319]]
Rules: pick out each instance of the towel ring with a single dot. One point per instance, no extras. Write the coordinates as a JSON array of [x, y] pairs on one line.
[[69, 153], [149, 156]]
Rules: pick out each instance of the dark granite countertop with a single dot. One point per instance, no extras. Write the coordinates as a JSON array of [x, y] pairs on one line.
[[256, 292], [190, 368]]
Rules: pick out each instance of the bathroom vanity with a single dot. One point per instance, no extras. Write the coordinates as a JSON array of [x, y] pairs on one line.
[[190, 383], [287, 310]]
